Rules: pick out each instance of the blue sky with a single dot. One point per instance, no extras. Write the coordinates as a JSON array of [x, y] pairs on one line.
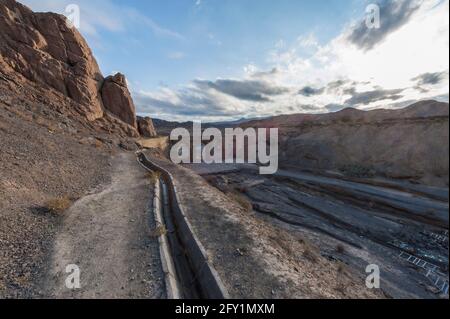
[[226, 59]]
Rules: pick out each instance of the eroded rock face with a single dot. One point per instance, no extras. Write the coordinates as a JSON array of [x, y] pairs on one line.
[[40, 48], [117, 99], [407, 144], [146, 127], [43, 49]]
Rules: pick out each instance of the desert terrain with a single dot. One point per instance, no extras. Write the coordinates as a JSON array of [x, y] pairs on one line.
[[354, 188]]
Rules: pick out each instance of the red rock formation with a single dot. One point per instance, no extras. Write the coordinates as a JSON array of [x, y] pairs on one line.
[[42, 49], [146, 127], [117, 99]]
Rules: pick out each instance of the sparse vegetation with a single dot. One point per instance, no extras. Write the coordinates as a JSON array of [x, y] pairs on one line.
[[310, 255], [153, 176], [209, 179], [340, 287], [281, 239], [242, 189], [310, 252], [340, 249], [242, 200], [98, 143], [342, 268], [158, 231], [58, 205], [346, 119]]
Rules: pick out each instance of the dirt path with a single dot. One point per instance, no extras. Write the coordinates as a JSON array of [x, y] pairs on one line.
[[107, 235]]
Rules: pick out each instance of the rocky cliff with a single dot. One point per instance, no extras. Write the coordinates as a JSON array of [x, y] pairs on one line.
[[42, 49], [61, 123], [146, 127]]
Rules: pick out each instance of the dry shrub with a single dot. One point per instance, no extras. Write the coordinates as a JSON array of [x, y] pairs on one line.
[[340, 249], [154, 176], [159, 231], [282, 240], [98, 144], [243, 201], [340, 287], [346, 119], [58, 205], [243, 189], [342, 268], [311, 252], [209, 179], [51, 128]]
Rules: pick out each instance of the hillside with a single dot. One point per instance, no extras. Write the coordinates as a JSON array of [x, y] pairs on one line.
[[410, 143], [61, 123]]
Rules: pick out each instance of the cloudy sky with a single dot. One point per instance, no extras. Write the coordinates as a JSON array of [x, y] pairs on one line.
[[215, 60]]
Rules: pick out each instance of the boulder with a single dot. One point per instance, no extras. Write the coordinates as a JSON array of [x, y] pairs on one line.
[[117, 99], [146, 127]]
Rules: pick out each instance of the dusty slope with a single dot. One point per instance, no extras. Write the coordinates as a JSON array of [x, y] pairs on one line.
[[47, 153], [410, 143], [254, 258], [107, 235], [37, 165], [54, 143], [352, 223]]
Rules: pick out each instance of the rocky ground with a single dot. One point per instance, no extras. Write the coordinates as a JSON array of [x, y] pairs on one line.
[[354, 223], [38, 163], [107, 234], [257, 258], [61, 122], [46, 156], [69, 192]]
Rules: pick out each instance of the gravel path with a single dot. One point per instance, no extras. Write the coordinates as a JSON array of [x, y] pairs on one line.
[[107, 235]]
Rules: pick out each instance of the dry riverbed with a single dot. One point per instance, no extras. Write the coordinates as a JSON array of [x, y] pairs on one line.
[[354, 224]]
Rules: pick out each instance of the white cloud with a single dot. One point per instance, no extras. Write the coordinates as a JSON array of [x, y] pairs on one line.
[[393, 64], [408, 62], [418, 47], [102, 14]]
